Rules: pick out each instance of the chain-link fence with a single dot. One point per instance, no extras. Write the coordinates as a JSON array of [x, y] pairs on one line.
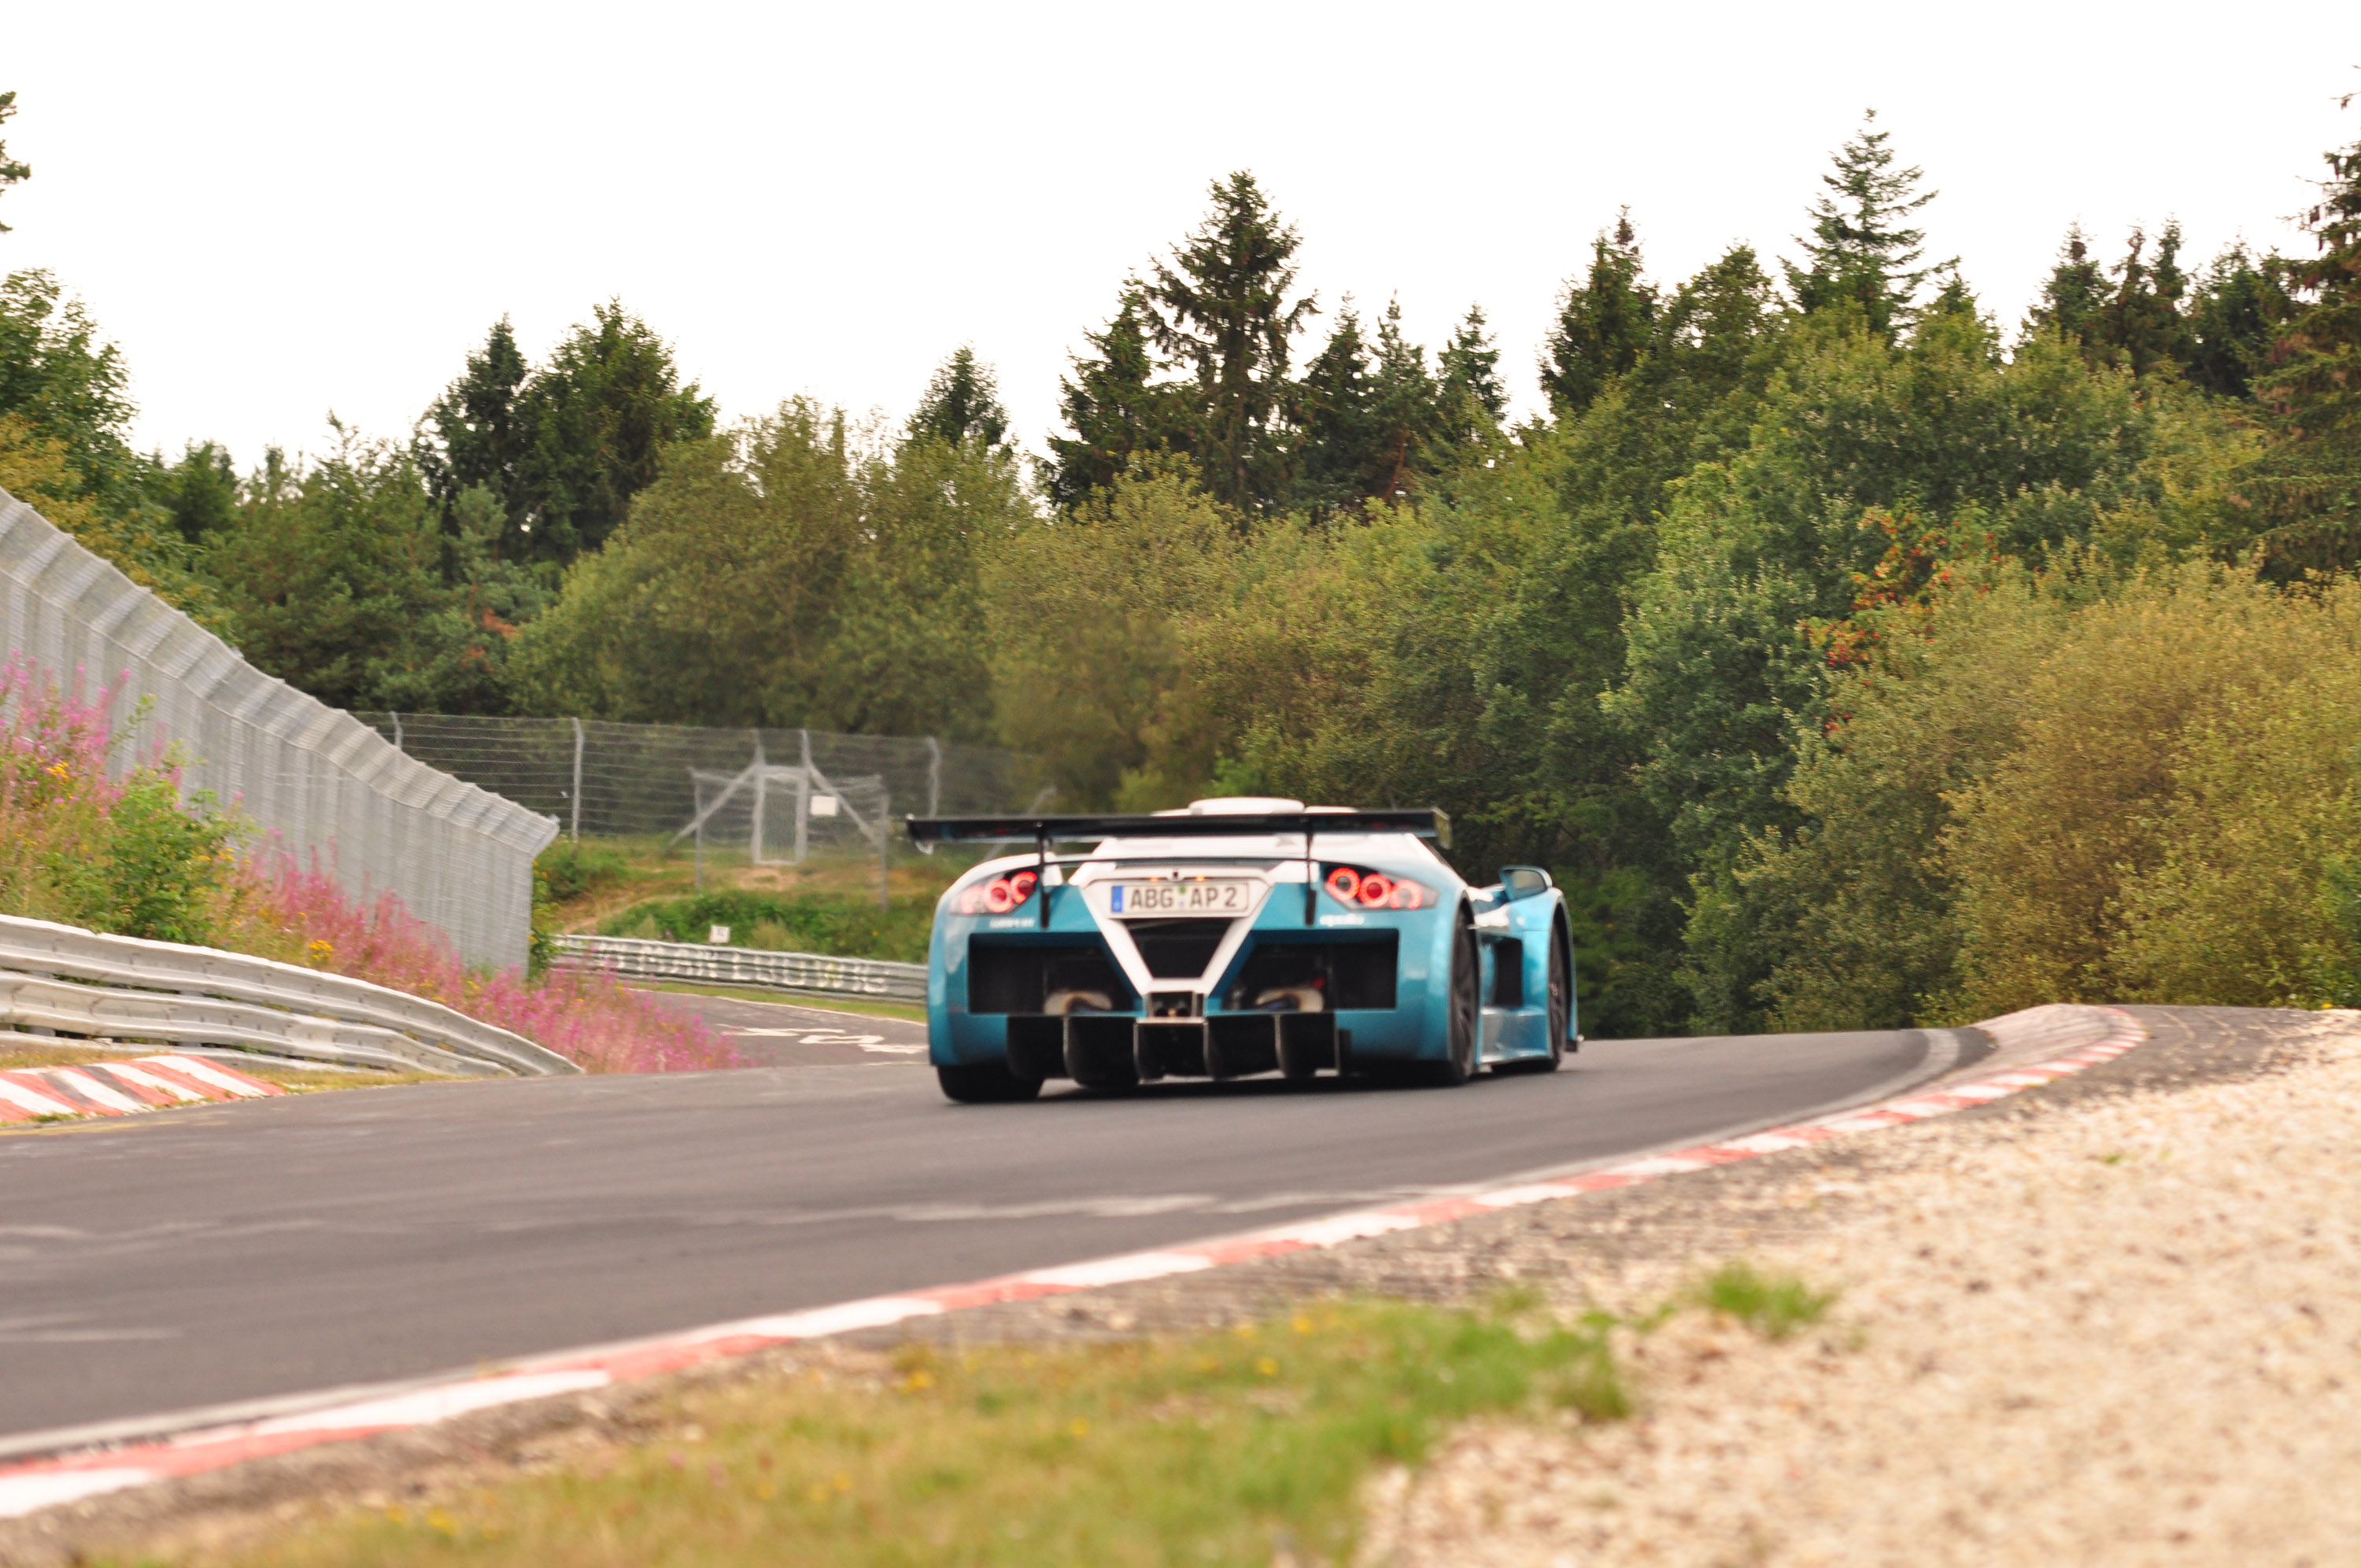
[[772, 798], [311, 778]]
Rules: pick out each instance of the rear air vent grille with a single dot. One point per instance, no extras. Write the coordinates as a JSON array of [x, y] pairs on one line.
[[1178, 949]]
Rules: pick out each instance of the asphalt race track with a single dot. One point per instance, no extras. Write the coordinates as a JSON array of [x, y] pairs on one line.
[[223, 1254]]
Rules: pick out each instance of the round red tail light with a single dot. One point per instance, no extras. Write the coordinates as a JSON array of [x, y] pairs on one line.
[[1374, 889], [998, 896], [1344, 882]]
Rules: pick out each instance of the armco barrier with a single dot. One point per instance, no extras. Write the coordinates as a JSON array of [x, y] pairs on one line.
[[639, 957], [136, 989], [315, 781]]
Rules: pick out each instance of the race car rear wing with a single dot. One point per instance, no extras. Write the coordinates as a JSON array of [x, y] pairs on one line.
[[925, 832]]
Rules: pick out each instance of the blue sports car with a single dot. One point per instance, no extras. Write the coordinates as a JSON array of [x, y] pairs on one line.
[[1241, 936]]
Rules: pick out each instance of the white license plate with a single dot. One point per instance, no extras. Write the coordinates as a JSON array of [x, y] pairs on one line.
[[1195, 896]]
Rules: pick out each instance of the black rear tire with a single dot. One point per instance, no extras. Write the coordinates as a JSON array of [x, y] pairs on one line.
[[986, 1083], [1466, 1017]]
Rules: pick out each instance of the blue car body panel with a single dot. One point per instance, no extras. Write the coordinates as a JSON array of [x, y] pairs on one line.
[[1002, 983]]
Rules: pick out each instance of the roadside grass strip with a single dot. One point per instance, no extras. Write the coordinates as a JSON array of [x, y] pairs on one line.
[[119, 1087], [31, 1485], [1244, 1446]]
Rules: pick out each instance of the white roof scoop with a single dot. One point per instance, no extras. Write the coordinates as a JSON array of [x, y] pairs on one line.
[[1239, 806]]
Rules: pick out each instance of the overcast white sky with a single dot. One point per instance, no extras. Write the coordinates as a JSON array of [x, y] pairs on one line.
[[281, 210]]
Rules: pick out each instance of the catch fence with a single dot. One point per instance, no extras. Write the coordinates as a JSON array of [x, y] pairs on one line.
[[764, 797], [314, 780]]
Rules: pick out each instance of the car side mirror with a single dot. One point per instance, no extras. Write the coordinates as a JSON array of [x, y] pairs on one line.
[[1524, 881]]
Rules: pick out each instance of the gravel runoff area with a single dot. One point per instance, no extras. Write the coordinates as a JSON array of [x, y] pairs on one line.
[[2088, 1329], [2108, 1321]]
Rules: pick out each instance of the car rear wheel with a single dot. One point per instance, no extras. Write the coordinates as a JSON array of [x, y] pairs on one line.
[[986, 1084], [1458, 1064]]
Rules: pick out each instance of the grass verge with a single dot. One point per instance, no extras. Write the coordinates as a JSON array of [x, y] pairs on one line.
[[1227, 1448]]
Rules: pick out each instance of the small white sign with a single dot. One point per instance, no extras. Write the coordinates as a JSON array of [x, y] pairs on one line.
[[823, 805], [717, 935]]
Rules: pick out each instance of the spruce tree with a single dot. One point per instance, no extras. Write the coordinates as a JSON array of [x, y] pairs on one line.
[[2076, 288], [961, 403], [1403, 409], [1110, 405], [2307, 485], [1470, 365], [1859, 250], [596, 416], [2234, 314], [1220, 315], [1603, 325], [2139, 327], [1335, 424], [479, 432]]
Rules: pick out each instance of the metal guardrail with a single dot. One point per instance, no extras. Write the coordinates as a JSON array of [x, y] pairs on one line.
[[110, 988], [640, 958]]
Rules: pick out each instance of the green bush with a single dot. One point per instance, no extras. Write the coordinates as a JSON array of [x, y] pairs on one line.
[[835, 923]]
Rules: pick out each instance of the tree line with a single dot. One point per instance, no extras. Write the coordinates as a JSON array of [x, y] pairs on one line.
[[1771, 636]]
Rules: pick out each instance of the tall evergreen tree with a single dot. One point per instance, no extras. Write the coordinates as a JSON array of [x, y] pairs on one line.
[[2234, 315], [13, 171], [608, 401], [1603, 322], [961, 403], [2309, 482], [1109, 404], [1337, 426], [2139, 327], [1403, 406], [2074, 290], [480, 428], [200, 491], [1220, 313], [1859, 250], [1471, 366]]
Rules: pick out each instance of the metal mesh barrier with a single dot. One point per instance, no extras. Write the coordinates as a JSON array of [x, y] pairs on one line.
[[760, 796], [314, 780]]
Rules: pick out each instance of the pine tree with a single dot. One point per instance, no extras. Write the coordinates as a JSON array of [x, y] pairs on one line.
[[13, 171], [2076, 289], [1110, 405], [2234, 314], [1603, 323], [480, 433], [961, 403], [1403, 409], [598, 415], [1860, 251], [1336, 427], [1220, 315], [2140, 326], [1471, 366], [2307, 485]]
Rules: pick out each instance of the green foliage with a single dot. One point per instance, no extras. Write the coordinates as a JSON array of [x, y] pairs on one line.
[[1775, 1305], [960, 404], [1860, 255], [340, 575], [784, 574], [2307, 485], [564, 447], [832, 923], [1604, 323], [65, 418], [156, 870], [1219, 313], [1235, 1447]]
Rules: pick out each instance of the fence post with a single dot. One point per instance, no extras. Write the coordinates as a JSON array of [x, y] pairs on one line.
[[761, 800], [575, 829], [884, 837], [803, 798], [934, 777], [396, 728]]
